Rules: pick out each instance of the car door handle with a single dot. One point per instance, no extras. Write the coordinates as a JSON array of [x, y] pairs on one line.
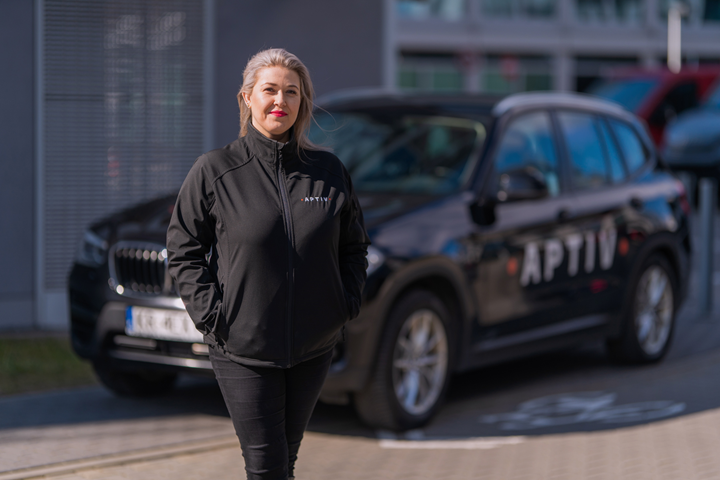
[[636, 203]]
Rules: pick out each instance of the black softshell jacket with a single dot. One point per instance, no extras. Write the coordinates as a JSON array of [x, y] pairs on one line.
[[267, 248]]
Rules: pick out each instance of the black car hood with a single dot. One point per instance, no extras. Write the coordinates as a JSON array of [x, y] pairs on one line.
[[146, 221], [381, 207], [411, 226], [149, 221]]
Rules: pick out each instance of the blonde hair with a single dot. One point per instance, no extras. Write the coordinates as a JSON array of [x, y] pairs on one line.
[[278, 57]]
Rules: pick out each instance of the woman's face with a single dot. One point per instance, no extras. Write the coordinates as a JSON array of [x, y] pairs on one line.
[[274, 102]]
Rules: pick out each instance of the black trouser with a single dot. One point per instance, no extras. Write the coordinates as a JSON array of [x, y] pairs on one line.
[[270, 408]]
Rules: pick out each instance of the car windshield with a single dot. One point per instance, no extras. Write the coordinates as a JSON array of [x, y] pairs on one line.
[[401, 153], [714, 99], [628, 93]]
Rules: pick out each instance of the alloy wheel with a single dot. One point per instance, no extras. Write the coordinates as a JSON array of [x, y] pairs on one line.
[[653, 310], [420, 361]]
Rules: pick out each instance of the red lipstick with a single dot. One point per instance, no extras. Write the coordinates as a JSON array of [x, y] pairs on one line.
[[278, 113]]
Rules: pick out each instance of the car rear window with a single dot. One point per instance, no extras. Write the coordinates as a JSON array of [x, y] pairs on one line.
[[402, 153], [630, 144], [617, 169]]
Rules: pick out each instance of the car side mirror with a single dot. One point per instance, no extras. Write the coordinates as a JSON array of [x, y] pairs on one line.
[[525, 184], [483, 211]]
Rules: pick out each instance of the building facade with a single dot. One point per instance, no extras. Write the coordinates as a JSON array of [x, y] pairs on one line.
[[504, 46]]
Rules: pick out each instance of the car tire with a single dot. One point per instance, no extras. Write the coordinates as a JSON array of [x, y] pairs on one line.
[[649, 317], [412, 366], [134, 384]]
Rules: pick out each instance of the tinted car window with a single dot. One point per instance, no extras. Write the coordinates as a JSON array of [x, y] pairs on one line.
[[527, 143], [630, 145], [680, 98], [588, 168], [714, 98], [401, 153], [617, 169], [628, 93]]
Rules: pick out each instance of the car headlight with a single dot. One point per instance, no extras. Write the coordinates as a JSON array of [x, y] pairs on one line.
[[375, 258], [93, 250]]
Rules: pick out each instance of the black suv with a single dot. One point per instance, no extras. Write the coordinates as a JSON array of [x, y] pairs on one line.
[[500, 229]]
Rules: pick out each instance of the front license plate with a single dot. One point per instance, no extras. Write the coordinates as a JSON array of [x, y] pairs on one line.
[[161, 324]]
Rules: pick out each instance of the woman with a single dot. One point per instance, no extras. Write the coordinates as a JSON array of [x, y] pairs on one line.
[[267, 246]]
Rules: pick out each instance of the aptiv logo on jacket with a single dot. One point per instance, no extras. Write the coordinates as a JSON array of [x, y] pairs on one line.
[[315, 199]]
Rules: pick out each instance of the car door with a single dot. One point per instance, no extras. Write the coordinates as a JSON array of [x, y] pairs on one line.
[[601, 199], [521, 281]]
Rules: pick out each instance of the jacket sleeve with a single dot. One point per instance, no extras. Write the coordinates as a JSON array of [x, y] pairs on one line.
[[354, 242], [190, 236]]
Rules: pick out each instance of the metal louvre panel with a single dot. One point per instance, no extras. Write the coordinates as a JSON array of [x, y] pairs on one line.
[[123, 107]]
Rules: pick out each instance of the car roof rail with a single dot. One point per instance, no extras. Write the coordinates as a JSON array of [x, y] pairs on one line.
[[356, 93], [409, 97], [558, 99]]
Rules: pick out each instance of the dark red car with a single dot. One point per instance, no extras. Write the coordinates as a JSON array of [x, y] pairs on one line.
[[657, 96]]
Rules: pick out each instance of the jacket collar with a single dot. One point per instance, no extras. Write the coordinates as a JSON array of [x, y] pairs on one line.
[[268, 149]]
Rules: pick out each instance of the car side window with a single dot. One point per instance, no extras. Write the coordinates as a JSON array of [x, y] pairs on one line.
[[588, 168], [527, 145], [617, 169], [630, 144]]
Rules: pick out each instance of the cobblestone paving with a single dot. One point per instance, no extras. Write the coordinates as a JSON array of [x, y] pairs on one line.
[[82, 423], [44, 445], [679, 449]]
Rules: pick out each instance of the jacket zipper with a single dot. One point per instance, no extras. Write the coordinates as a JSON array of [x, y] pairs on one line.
[[291, 275]]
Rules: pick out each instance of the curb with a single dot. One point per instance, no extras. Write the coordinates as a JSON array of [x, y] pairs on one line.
[[112, 460]]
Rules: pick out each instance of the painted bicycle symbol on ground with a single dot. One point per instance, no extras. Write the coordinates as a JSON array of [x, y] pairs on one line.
[[583, 407]]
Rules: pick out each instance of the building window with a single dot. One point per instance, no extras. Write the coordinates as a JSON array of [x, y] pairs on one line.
[[698, 10], [519, 8], [589, 70], [711, 12], [422, 9], [439, 73], [509, 74], [610, 11]]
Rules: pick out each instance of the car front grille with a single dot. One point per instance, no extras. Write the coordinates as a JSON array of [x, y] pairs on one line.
[[140, 268]]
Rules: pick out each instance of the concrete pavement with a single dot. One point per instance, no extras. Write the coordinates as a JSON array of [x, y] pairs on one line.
[[679, 449], [88, 434]]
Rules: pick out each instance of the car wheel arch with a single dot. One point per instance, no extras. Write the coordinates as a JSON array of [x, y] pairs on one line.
[[663, 244], [440, 276]]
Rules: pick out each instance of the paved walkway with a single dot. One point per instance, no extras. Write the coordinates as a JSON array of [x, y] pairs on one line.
[[201, 445], [678, 449], [72, 425], [89, 434]]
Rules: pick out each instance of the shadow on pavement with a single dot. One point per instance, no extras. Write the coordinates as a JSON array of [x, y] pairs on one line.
[[95, 404], [569, 391]]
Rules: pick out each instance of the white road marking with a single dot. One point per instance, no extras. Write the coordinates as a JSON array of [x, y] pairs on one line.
[[416, 439], [477, 443]]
